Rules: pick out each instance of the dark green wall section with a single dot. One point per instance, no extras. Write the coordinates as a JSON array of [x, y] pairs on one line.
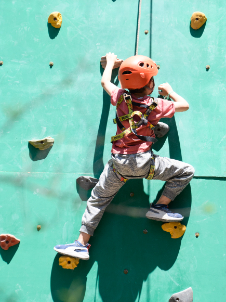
[[67, 103]]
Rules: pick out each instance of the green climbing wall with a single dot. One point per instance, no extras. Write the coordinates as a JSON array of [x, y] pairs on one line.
[[67, 103]]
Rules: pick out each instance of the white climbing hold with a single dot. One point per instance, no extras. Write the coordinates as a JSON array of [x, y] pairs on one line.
[[87, 182], [117, 63], [42, 144], [161, 129], [184, 296]]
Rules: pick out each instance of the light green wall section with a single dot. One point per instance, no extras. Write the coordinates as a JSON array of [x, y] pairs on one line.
[[183, 58], [158, 265], [67, 102], [37, 100]]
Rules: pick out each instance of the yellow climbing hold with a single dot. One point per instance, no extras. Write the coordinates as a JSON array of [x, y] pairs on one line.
[[176, 229], [68, 262], [198, 19], [55, 19]]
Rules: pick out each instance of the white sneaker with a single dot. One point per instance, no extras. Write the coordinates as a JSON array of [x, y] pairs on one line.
[[161, 212], [76, 250]]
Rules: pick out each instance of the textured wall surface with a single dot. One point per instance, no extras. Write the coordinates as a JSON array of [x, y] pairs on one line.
[[67, 103]]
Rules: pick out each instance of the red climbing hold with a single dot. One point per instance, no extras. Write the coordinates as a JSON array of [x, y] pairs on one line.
[[7, 240]]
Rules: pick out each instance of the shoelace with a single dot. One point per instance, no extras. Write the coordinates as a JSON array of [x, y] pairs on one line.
[[165, 208], [85, 246]]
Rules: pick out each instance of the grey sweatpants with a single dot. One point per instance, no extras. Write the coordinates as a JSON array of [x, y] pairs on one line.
[[176, 174]]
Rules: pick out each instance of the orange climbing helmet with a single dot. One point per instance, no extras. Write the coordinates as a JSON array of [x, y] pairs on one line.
[[136, 72]]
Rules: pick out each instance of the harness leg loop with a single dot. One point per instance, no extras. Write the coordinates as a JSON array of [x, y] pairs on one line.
[[152, 170], [123, 179]]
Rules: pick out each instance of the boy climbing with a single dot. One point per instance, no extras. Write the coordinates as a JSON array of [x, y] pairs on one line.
[[132, 157]]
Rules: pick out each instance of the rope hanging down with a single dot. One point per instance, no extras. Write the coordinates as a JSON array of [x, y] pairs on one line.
[[138, 27]]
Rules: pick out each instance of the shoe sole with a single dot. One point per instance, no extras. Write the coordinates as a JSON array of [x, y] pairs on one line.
[[67, 254], [165, 220]]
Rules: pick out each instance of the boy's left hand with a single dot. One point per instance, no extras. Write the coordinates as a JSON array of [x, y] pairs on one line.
[[164, 89]]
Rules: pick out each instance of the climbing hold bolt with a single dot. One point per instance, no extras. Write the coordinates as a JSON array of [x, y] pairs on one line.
[[161, 129], [7, 240], [117, 64], [176, 229], [1, 63], [39, 227], [145, 231], [51, 64], [68, 262], [42, 144], [86, 182], [198, 19], [196, 235], [207, 67], [146, 32], [183, 296], [158, 66], [131, 194], [55, 19], [126, 271]]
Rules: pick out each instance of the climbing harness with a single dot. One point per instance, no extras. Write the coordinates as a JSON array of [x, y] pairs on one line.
[[133, 126]]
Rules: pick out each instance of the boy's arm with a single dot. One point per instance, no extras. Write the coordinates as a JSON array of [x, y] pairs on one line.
[[106, 78], [180, 103]]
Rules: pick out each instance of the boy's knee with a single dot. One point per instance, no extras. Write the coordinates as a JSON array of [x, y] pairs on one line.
[[191, 170]]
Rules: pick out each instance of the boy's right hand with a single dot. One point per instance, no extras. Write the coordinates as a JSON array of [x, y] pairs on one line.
[[110, 57]]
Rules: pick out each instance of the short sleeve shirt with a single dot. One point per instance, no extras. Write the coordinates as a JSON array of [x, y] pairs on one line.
[[131, 144]]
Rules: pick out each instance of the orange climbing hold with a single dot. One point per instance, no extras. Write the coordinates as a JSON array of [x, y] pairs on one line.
[[176, 229], [55, 19], [68, 262], [198, 19], [7, 240]]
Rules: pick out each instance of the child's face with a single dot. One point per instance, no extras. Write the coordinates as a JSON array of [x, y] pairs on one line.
[[150, 86]]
